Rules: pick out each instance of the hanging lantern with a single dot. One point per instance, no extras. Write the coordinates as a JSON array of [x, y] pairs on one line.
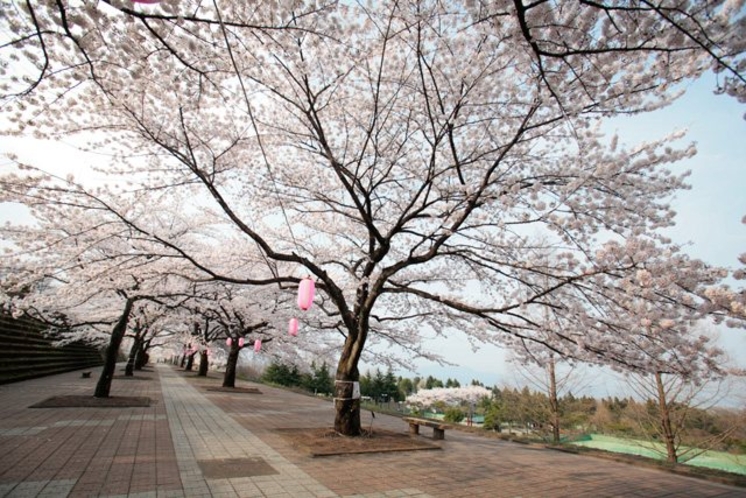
[[305, 293], [241, 342], [229, 341], [257, 345], [293, 327]]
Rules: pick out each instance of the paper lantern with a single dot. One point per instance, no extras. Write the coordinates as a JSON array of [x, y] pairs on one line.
[[229, 341], [241, 342], [305, 293], [257, 345], [293, 327]]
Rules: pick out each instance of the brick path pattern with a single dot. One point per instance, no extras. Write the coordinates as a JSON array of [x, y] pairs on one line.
[[192, 442]]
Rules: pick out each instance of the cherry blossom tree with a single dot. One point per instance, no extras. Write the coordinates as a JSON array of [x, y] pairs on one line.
[[659, 302], [658, 319], [400, 153], [450, 396], [141, 327], [84, 312], [728, 305], [150, 327], [240, 317], [76, 271]]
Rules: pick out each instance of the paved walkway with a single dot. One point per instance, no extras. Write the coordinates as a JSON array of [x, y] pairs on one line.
[[197, 443]]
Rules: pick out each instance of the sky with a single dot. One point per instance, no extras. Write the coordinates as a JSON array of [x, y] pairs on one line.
[[708, 221]]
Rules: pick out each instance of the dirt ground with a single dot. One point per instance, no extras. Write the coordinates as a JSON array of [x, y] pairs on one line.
[[91, 402], [327, 442]]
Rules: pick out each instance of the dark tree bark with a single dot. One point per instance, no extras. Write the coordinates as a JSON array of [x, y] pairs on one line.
[[203, 364], [190, 362], [103, 387], [347, 418], [129, 370], [347, 408], [142, 357], [229, 379]]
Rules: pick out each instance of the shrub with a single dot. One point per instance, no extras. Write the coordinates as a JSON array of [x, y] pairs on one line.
[[492, 420], [454, 414]]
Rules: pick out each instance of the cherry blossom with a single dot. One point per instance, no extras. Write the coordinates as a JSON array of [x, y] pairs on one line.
[[425, 398], [403, 154]]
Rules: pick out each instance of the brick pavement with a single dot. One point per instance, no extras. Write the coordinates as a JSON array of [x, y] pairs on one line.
[[193, 443], [84, 451]]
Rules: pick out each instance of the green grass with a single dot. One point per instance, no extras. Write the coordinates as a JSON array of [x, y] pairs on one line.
[[709, 459]]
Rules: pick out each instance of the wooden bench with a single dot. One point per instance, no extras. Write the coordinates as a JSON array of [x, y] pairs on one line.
[[439, 428]]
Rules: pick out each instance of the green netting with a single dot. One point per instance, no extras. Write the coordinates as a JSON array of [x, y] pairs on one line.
[[710, 459]]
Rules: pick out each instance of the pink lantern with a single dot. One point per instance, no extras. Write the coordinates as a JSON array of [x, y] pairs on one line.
[[293, 327], [305, 293], [257, 345], [241, 342], [229, 341]]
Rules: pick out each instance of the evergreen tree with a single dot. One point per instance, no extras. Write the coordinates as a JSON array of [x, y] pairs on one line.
[[283, 375], [365, 384], [431, 382], [390, 391], [452, 383], [406, 386], [378, 386], [320, 381]]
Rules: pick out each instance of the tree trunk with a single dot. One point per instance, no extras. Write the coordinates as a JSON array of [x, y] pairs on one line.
[[665, 417], [103, 387], [142, 357], [190, 362], [347, 416], [129, 370], [554, 402], [229, 379], [183, 360], [203, 364]]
